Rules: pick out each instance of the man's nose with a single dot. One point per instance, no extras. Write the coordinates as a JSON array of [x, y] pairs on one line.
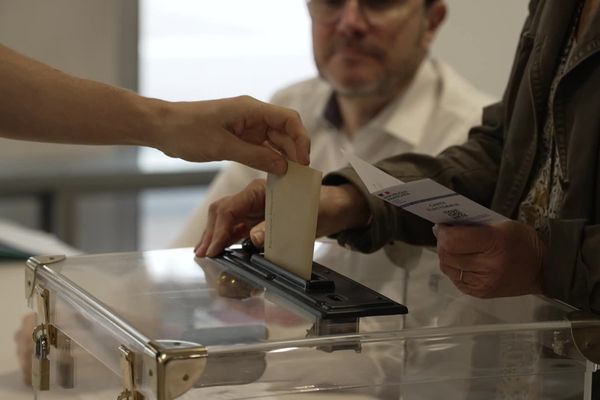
[[353, 17]]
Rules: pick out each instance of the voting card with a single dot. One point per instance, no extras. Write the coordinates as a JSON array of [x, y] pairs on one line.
[[425, 197], [291, 218]]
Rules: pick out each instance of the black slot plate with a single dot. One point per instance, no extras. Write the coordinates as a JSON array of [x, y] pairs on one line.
[[339, 297]]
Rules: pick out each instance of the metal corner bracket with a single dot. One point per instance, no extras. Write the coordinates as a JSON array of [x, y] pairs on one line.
[[179, 365], [32, 264]]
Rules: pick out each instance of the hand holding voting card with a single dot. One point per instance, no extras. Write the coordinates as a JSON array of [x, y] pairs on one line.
[[425, 198], [291, 218]]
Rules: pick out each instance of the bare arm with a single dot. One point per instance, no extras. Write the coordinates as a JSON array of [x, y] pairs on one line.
[[40, 103]]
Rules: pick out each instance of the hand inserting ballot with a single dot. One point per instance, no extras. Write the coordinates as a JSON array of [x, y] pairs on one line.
[[233, 218]]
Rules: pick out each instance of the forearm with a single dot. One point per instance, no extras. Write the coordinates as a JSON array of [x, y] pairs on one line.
[[385, 222], [40, 103], [470, 169], [342, 208]]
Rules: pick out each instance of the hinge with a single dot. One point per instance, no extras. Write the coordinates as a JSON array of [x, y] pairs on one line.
[[128, 370]]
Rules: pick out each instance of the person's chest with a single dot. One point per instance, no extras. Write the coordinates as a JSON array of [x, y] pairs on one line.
[[329, 145]]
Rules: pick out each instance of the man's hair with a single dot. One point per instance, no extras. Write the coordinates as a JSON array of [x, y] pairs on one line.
[[429, 2]]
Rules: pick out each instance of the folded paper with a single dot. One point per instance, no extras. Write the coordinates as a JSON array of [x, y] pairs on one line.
[[424, 197]]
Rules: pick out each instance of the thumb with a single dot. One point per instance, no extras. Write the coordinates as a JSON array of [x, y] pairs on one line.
[[257, 234]]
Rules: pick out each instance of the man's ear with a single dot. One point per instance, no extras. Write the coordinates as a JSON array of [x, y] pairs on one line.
[[435, 16]]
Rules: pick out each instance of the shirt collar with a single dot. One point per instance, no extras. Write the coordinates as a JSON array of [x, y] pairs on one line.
[[407, 116], [332, 113]]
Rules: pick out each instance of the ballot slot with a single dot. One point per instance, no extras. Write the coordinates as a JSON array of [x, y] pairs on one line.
[[317, 282], [327, 295]]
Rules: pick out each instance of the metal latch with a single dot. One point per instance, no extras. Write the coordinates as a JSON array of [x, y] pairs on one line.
[[40, 368], [43, 336]]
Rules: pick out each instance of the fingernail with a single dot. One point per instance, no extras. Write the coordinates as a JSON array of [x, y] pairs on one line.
[[434, 229], [200, 250], [305, 159], [212, 251], [279, 166]]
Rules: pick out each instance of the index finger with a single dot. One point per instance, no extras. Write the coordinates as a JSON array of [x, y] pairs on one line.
[[288, 122]]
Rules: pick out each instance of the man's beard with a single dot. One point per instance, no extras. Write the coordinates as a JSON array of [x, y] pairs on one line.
[[377, 83], [383, 84], [364, 89]]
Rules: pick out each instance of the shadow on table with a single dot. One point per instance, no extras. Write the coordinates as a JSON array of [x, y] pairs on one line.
[[11, 383]]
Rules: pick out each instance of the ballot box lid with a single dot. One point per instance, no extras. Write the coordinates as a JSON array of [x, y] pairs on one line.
[[176, 325]]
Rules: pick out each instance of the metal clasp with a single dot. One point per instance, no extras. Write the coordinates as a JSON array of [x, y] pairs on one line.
[[43, 336], [40, 368]]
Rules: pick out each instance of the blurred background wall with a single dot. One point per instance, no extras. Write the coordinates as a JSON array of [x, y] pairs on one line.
[[95, 39], [188, 49]]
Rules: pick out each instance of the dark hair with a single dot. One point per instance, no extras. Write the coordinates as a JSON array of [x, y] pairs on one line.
[[429, 2]]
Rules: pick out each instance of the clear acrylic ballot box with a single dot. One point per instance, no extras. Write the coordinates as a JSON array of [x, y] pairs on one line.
[[166, 325]]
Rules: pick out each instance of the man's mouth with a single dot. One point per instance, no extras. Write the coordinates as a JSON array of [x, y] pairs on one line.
[[355, 51]]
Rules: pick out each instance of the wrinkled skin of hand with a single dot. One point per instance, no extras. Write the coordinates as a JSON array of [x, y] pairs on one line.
[[241, 129], [236, 217], [231, 218], [498, 260]]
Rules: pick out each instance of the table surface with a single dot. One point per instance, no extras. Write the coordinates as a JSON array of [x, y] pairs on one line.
[[12, 308]]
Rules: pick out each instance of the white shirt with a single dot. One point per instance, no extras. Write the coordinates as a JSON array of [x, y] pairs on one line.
[[436, 111]]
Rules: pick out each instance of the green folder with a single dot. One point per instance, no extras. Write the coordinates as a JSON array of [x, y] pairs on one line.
[[9, 253]]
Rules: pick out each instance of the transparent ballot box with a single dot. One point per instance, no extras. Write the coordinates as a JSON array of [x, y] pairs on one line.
[[166, 325]]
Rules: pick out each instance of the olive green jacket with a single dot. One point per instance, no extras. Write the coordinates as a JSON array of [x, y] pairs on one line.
[[496, 164]]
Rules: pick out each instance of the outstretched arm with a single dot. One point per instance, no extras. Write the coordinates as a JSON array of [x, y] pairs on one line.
[[40, 103]]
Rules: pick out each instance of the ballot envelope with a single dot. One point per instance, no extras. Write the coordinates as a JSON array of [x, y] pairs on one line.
[[165, 325]]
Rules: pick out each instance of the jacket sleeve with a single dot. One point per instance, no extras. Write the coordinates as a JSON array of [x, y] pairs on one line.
[[572, 264], [470, 169]]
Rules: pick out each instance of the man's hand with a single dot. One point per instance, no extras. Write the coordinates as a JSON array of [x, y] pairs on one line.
[[503, 259], [231, 218], [240, 129], [242, 215]]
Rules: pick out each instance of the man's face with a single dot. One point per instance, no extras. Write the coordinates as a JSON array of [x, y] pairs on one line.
[[363, 50]]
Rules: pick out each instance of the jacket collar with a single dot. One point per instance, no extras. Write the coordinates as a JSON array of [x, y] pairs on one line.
[[587, 45], [554, 26]]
